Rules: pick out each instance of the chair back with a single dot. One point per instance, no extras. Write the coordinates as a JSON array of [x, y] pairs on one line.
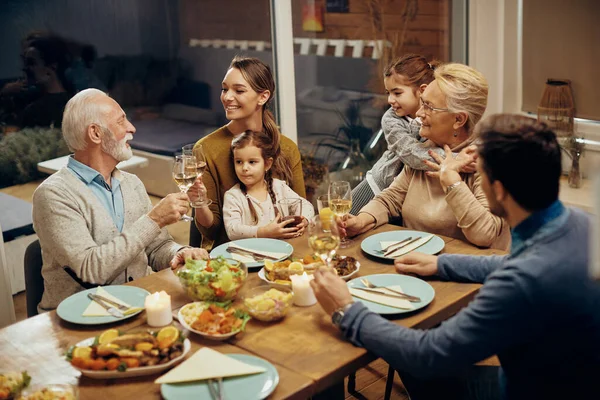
[[34, 282]]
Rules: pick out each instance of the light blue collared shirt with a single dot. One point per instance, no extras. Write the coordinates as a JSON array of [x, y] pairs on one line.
[[110, 196]]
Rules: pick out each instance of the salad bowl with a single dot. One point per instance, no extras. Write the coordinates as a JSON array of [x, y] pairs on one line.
[[191, 314], [217, 279]]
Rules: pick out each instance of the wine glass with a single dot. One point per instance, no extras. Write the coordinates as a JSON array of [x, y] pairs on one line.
[[323, 238], [197, 151], [184, 175], [340, 202]]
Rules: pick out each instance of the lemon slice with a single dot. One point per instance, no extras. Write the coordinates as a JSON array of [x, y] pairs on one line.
[[269, 265], [82, 352], [108, 335], [296, 268], [167, 336]]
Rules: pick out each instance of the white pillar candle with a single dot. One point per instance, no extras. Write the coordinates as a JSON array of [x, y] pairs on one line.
[[303, 292], [158, 309]]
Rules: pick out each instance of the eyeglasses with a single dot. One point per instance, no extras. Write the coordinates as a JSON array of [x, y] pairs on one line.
[[429, 109]]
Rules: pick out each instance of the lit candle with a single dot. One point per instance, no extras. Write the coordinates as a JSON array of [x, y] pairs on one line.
[[303, 293], [158, 309]]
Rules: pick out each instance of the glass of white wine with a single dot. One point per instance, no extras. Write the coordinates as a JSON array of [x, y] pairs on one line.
[[197, 151], [323, 238], [340, 202], [184, 175]]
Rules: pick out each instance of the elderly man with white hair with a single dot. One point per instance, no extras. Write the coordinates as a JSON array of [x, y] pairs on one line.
[[95, 223]]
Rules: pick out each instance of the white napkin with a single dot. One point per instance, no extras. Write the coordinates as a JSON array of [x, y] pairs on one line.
[[241, 258], [207, 363], [385, 300], [96, 310], [244, 258], [406, 249]]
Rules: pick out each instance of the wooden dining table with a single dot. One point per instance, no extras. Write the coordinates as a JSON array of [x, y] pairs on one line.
[[309, 353]]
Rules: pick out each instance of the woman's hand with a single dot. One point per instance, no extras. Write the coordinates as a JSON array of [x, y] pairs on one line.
[[350, 225], [277, 230], [198, 189], [183, 254], [448, 169]]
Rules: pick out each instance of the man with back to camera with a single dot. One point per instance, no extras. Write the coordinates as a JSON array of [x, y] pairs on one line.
[[95, 223], [538, 308]]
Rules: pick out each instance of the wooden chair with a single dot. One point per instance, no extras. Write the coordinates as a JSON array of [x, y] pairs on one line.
[[34, 282], [490, 362]]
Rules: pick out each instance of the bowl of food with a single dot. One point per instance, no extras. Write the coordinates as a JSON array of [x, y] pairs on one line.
[[11, 384], [213, 321], [268, 304], [51, 392], [217, 279], [345, 266]]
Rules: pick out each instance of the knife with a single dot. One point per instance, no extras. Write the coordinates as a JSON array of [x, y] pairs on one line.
[[397, 296], [250, 253], [401, 245], [110, 309], [120, 306], [423, 240]]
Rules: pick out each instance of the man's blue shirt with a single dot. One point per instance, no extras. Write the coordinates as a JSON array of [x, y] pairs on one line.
[[110, 196]]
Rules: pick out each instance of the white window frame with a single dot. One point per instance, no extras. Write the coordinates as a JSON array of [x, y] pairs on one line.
[[495, 31]]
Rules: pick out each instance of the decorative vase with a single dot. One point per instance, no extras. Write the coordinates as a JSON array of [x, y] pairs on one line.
[[354, 167]]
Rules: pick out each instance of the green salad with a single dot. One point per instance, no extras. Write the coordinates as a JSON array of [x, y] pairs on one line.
[[212, 280]]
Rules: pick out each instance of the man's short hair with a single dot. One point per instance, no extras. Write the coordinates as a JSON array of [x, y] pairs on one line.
[[80, 112], [524, 155]]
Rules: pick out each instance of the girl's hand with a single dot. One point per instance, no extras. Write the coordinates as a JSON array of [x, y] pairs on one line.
[[277, 230], [196, 190], [472, 167], [448, 169], [302, 227]]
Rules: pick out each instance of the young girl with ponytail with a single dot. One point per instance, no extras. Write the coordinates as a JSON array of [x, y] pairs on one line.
[[249, 208], [246, 92]]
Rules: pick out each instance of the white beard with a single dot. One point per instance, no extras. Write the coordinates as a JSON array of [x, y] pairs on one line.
[[118, 150]]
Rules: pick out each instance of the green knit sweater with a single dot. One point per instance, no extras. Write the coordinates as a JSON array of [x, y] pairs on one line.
[[220, 176]]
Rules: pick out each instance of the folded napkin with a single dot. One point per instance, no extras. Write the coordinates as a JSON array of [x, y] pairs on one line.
[[96, 310], [207, 363], [384, 300], [243, 258], [406, 249]]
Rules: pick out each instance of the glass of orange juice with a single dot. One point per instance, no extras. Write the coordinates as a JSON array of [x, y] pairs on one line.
[[325, 213]]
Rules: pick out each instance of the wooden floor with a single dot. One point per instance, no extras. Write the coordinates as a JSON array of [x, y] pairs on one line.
[[370, 381]]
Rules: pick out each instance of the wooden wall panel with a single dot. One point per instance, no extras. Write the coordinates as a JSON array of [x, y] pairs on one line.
[[428, 33]]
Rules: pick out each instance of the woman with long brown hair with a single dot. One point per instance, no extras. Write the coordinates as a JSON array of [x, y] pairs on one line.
[[246, 92]]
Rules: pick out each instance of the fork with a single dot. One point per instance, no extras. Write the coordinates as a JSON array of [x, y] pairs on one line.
[[114, 303], [408, 297], [246, 254], [383, 251], [110, 309], [216, 388]]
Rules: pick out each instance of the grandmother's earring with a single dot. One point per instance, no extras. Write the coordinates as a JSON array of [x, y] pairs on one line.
[[455, 134]]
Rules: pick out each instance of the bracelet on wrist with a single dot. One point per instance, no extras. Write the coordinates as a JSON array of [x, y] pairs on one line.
[[453, 186]]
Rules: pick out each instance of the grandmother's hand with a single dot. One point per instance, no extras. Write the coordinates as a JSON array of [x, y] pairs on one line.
[[448, 169]]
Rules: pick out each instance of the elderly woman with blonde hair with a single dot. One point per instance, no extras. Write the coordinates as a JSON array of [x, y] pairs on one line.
[[443, 201]]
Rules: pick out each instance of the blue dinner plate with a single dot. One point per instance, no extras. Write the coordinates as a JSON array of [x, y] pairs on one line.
[[261, 244], [410, 285], [373, 243], [71, 308], [249, 387]]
